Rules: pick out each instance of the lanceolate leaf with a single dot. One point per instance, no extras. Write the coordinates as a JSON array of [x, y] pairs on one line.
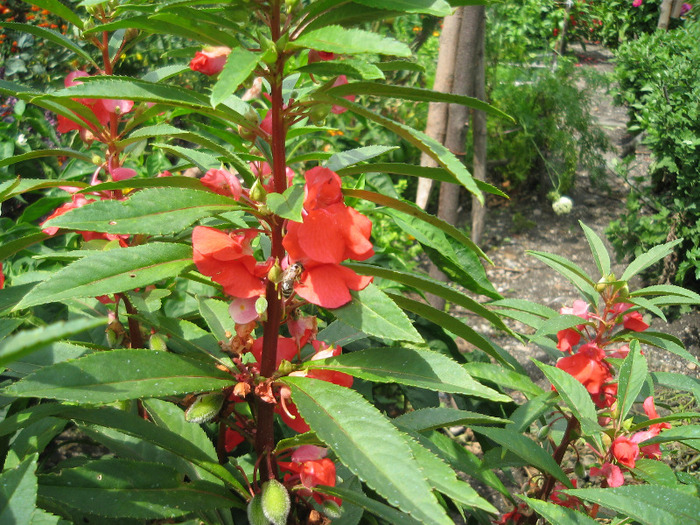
[[39, 153], [18, 488], [647, 504], [571, 271], [411, 93], [28, 341], [368, 444], [154, 211], [105, 377], [373, 313], [527, 449], [440, 417], [600, 254], [647, 259], [667, 342], [337, 39], [387, 513], [407, 366], [239, 65], [127, 423], [346, 158], [430, 7], [439, 174], [680, 433], [576, 396], [124, 488], [112, 272], [633, 373], [558, 514], [443, 156], [457, 327], [59, 9], [426, 284]]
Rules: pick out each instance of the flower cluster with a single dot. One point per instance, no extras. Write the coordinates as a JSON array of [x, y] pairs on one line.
[[589, 364]]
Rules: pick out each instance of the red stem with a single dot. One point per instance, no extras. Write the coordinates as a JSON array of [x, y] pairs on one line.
[[264, 438]]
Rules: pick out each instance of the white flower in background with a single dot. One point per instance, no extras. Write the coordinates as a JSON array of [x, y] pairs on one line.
[[21, 140], [562, 205]]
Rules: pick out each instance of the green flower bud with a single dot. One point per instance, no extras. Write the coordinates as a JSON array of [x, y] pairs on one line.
[[258, 193], [319, 112], [255, 512], [543, 432], [275, 502], [275, 273], [261, 305], [285, 368], [332, 509], [205, 407]]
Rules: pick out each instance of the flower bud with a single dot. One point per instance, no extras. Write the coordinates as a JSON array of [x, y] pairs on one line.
[[269, 51], [543, 432], [255, 512], [275, 502], [205, 407], [261, 305], [604, 282], [257, 192], [275, 273], [319, 112], [285, 368]]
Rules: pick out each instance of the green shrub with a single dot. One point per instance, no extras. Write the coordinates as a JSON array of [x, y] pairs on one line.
[[660, 83]]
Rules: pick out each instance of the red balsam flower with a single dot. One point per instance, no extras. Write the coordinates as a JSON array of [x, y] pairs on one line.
[[210, 60]]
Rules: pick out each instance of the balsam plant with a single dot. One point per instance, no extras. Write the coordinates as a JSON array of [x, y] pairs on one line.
[[220, 335]]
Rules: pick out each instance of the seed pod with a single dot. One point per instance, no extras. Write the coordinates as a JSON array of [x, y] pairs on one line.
[[205, 408], [275, 502], [255, 512]]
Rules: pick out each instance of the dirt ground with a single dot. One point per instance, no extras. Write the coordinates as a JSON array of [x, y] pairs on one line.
[[515, 274]]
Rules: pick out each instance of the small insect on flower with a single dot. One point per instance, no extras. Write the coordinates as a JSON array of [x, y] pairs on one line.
[[290, 275]]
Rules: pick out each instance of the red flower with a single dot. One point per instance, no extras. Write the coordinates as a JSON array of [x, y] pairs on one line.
[[211, 60], [222, 182], [651, 413], [322, 189], [324, 351], [2, 278], [232, 439], [567, 339], [312, 473], [625, 451], [634, 321], [564, 500], [289, 413], [647, 451], [587, 366], [329, 285], [612, 473], [228, 260]]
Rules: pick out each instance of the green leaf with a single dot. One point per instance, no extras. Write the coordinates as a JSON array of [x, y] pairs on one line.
[[570, 271], [669, 290], [287, 205], [678, 381], [379, 509], [441, 417], [240, 64], [59, 9], [349, 157], [28, 341], [457, 327], [123, 488], [130, 424], [417, 94], [655, 472], [154, 211], [18, 490], [204, 161], [680, 433], [526, 449], [632, 375], [337, 39], [51, 36], [647, 504], [647, 259], [444, 479], [600, 254], [349, 67], [33, 439], [668, 342], [36, 154], [111, 272], [106, 377], [431, 147], [12, 247], [372, 312], [523, 416], [505, 377], [576, 397], [556, 324], [422, 282], [215, 313], [556, 514], [430, 7], [408, 366], [368, 444], [438, 174]]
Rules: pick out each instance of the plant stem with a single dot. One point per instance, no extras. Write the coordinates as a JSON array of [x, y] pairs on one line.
[[264, 438]]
